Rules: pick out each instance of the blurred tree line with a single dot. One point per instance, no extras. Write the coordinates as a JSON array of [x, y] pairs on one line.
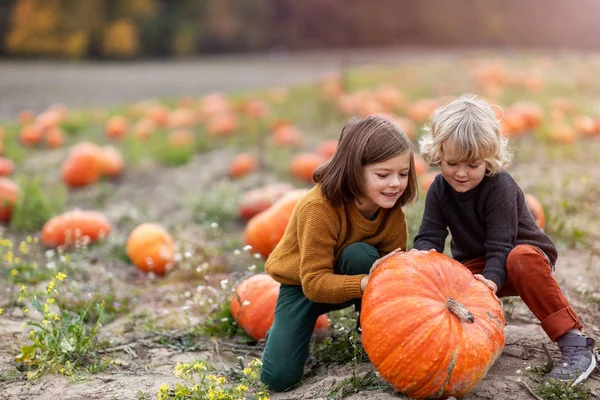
[[125, 29]]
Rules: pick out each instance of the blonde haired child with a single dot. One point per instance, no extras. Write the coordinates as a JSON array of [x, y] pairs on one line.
[[351, 218], [493, 231]]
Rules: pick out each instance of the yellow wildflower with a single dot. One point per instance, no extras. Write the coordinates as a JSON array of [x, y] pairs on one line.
[[50, 300], [50, 286], [241, 388], [28, 239], [26, 310], [1, 311], [23, 287], [14, 272], [36, 240], [60, 276]]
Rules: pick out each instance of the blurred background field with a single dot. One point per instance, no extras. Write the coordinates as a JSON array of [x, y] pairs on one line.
[[196, 115]]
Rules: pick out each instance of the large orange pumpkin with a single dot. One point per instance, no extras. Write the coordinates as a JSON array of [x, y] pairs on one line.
[[151, 248], [68, 228], [428, 326], [9, 192], [266, 229], [253, 306]]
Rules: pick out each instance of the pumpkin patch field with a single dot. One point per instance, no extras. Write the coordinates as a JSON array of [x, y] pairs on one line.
[[133, 237]]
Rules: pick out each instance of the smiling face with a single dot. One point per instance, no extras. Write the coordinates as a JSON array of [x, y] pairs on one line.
[[384, 184], [462, 175]]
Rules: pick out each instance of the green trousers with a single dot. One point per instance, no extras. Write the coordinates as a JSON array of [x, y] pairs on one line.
[[288, 339]]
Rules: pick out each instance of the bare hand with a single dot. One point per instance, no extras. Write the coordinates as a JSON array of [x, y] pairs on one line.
[[490, 284]]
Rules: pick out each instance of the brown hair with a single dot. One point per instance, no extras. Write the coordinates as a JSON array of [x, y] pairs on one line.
[[364, 141]]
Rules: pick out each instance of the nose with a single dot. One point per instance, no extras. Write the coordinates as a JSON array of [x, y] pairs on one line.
[[461, 171], [395, 181]]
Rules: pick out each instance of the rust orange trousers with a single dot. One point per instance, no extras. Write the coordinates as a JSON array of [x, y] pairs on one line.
[[530, 277]]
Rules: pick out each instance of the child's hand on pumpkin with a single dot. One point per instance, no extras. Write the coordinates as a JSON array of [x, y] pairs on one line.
[[491, 284], [379, 260]]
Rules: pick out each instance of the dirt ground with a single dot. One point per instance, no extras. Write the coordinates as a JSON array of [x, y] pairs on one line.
[[144, 366]]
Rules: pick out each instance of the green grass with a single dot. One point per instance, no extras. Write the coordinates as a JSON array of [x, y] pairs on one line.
[[36, 204]]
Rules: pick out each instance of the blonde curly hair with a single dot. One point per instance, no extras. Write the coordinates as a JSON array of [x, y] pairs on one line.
[[471, 124]]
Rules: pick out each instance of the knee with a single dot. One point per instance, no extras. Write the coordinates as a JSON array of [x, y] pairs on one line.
[[359, 257], [525, 257], [280, 379]]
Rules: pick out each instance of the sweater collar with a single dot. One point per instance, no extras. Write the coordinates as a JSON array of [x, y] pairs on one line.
[[361, 220], [463, 196]]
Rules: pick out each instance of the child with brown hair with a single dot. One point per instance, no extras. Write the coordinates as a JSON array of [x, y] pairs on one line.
[[351, 218]]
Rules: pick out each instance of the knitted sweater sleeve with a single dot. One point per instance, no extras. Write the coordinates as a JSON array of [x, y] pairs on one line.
[[434, 229], [318, 229], [502, 224]]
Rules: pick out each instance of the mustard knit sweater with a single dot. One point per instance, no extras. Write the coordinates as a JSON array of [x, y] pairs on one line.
[[315, 237]]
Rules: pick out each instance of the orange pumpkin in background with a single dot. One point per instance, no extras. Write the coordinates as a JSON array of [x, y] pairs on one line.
[[421, 166], [83, 166], [242, 165], [327, 148], [72, 226], [180, 139], [30, 135], [536, 208], [259, 199], [7, 166], [9, 193], [303, 165], [425, 180], [116, 127], [253, 306], [54, 138], [151, 248], [428, 326], [112, 161], [266, 229]]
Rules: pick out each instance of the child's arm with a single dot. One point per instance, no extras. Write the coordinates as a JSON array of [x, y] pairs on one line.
[[434, 229], [318, 229], [502, 224]]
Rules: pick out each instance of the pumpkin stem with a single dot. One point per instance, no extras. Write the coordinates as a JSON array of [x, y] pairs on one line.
[[459, 310]]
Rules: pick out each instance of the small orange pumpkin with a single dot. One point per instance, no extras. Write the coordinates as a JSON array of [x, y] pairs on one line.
[[30, 135], [242, 165], [327, 148], [151, 248], [536, 208], [9, 192], [112, 161], [428, 326], [180, 139], [266, 229], [253, 306], [7, 166], [303, 165], [72, 226], [116, 127], [83, 166], [54, 138]]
